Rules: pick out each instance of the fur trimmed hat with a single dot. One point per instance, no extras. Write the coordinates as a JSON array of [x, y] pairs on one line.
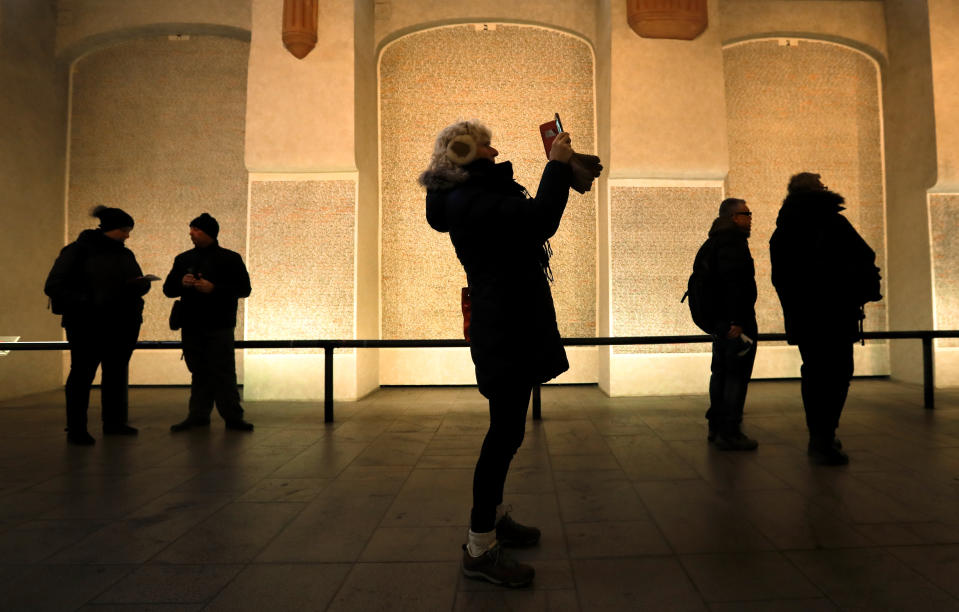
[[456, 146]]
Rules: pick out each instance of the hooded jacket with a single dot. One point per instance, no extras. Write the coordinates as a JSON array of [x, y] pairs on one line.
[[736, 276], [94, 281], [498, 234], [231, 281], [822, 269]]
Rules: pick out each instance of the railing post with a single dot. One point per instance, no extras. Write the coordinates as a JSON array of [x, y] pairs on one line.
[[537, 404], [928, 373], [328, 384]]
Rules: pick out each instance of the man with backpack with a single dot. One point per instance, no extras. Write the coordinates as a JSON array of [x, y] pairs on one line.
[[722, 293], [824, 273]]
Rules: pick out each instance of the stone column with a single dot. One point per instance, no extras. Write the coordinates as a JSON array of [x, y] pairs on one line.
[[668, 158], [943, 22], [304, 208]]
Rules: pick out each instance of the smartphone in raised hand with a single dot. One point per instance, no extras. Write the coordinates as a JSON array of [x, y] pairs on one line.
[[549, 131]]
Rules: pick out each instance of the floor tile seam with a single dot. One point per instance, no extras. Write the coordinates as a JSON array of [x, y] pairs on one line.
[[786, 553]]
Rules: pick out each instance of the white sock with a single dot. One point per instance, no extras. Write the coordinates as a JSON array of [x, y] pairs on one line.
[[500, 512], [479, 543]]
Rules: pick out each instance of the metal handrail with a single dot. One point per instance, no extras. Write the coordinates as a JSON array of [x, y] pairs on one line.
[[328, 346]]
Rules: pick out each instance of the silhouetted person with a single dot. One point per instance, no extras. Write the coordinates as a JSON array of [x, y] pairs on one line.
[[733, 290], [824, 272], [209, 280], [97, 285], [499, 234]]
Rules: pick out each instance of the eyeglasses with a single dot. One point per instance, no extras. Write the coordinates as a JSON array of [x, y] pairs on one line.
[[745, 212]]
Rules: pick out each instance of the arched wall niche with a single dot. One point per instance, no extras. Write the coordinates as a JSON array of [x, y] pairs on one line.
[[101, 40], [498, 73], [156, 127], [807, 104]]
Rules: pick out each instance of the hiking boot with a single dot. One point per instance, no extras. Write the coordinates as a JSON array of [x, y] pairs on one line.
[[734, 441], [496, 565], [239, 425], [511, 533], [827, 454], [80, 438], [187, 423], [119, 429]]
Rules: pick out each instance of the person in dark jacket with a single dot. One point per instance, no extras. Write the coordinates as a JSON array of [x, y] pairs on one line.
[[734, 346], [499, 234], [824, 273], [97, 285], [209, 280]]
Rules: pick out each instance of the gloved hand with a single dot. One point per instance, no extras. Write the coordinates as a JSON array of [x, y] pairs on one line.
[[585, 169]]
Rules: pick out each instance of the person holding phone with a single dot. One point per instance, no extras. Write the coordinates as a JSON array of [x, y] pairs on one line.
[[500, 235], [98, 287]]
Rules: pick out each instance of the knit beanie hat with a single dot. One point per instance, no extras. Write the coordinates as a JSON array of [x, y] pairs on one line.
[[207, 224], [112, 218]]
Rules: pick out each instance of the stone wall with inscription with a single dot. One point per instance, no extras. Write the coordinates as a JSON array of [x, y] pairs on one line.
[[301, 259], [943, 220], [655, 231], [503, 77], [811, 107]]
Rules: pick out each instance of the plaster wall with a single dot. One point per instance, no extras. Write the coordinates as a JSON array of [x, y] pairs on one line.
[[667, 109], [397, 17], [80, 21], [300, 113], [32, 121], [856, 21], [910, 139]]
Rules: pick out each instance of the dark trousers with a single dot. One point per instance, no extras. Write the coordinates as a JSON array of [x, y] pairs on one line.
[[508, 405], [732, 367], [827, 368], [107, 347], [210, 359]]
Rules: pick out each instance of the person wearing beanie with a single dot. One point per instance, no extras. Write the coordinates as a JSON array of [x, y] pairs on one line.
[[209, 280], [500, 236], [729, 288], [824, 273], [98, 288]]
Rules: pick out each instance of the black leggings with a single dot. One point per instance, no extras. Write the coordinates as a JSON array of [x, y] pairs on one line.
[[508, 405]]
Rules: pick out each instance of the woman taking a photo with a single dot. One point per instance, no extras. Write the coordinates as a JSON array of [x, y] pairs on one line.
[[499, 233]]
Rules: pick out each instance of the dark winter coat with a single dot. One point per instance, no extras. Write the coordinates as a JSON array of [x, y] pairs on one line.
[[94, 282], [222, 267], [735, 283], [823, 271], [498, 232]]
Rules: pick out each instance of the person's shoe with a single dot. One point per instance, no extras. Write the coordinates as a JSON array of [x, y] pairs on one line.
[[187, 423], [734, 441], [511, 533], [119, 429], [80, 438], [496, 565], [239, 425], [827, 454]]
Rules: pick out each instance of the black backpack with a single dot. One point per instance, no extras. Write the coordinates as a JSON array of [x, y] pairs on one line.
[[702, 289]]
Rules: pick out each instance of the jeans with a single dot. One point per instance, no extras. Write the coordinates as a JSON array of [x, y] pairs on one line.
[[210, 359], [827, 368], [508, 405], [110, 348], [732, 367]]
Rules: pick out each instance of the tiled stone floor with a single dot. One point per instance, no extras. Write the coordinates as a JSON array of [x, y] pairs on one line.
[[637, 511]]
